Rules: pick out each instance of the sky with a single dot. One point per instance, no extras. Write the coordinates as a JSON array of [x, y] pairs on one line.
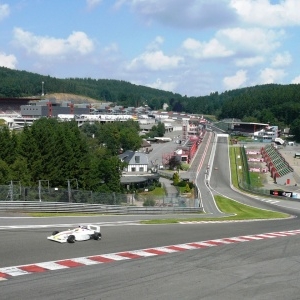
[[190, 47]]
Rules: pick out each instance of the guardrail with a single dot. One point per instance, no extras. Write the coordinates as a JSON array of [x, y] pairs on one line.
[[58, 207]]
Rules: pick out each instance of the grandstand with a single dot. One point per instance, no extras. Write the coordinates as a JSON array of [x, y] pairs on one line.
[[236, 127], [12, 106], [280, 170]]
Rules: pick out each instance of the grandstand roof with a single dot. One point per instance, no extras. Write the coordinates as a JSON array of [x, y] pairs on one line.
[[18, 99], [236, 121]]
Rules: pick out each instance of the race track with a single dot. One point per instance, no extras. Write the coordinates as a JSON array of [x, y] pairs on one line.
[[257, 267]]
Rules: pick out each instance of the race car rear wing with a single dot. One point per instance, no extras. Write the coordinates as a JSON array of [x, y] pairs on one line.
[[96, 228]]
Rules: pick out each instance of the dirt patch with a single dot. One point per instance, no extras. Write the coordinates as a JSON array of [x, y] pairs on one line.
[[76, 99]]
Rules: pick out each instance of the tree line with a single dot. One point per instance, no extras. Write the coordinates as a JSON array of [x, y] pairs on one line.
[[58, 151], [270, 103], [16, 83]]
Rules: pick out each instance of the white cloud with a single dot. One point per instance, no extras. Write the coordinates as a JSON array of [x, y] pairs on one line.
[[251, 39], [166, 86], [77, 42], [269, 75], [4, 11], [119, 3], [282, 60], [91, 4], [264, 13], [8, 61], [296, 80], [213, 48], [235, 81], [155, 61], [249, 61], [184, 14], [253, 43], [112, 48], [154, 45]]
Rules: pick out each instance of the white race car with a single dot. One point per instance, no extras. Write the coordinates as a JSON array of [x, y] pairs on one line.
[[80, 233]]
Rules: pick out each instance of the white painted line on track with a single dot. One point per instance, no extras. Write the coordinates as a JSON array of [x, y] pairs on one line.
[[231, 221], [105, 224]]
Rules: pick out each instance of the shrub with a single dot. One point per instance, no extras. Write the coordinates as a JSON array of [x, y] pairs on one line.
[[182, 183], [151, 188], [149, 202], [191, 184], [184, 166], [176, 178], [187, 188]]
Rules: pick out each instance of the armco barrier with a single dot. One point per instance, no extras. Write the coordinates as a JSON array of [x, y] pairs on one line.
[[33, 206]]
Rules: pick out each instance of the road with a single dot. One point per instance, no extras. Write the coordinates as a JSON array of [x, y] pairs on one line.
[[263, 267]]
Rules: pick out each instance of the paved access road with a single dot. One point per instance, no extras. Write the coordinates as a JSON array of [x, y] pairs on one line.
[[257, 267]]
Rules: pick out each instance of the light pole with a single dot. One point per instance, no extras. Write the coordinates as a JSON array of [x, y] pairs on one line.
[[43, 88]]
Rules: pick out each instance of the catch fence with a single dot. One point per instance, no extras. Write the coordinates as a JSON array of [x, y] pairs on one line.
[[12, 193]]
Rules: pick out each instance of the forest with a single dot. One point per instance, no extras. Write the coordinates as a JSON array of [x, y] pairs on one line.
[[270, 103], [16, 83], [56, 151]]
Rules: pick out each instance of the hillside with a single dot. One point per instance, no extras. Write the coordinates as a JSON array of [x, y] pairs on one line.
[[78, 99], [15, 83]]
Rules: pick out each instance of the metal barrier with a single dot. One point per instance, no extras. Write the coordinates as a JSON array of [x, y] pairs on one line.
[[58, 207], [52, 195]]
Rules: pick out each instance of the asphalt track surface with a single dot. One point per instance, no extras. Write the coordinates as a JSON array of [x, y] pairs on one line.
[[261, 268]]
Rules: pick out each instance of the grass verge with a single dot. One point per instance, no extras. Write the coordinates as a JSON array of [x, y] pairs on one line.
[[236, 210]]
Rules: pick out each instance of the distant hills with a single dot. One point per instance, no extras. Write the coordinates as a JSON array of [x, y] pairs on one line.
[[271, 103], [16, 83]]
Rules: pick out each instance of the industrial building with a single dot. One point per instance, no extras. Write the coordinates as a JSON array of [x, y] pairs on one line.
[[50, 108]]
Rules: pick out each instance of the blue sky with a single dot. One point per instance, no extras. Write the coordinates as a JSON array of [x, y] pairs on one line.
[[190, 47]]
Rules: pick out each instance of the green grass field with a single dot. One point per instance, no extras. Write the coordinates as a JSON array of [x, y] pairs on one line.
[[235, 210]]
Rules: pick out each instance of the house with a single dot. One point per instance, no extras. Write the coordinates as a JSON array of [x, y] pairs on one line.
[[136, 175], [137, 161]]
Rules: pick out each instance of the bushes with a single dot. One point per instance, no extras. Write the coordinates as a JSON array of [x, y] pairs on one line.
[[184, 166], [176, 178], [184, 183], [187, 188], [149, 202]]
